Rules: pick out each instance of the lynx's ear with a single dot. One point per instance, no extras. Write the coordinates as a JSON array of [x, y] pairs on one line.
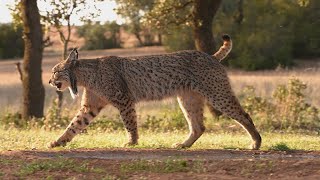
[[73, 56]]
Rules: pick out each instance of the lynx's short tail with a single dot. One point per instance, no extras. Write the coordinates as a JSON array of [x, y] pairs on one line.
[[224, 49]]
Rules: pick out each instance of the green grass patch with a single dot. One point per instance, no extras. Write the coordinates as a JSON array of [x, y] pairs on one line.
[[280, 147], [52, 165], [16, 139], [167, 166], [50, 168], [55, 165], [5, 162]]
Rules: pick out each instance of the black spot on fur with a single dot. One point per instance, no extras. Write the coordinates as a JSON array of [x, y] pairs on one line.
[[86, 121], [92, 114], [73, 131], [79, 122]]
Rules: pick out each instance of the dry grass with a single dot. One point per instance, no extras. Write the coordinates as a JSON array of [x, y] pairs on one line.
[[264, 81]]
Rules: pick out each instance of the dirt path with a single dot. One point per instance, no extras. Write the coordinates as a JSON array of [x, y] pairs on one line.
[[165, 164], [162, 154]]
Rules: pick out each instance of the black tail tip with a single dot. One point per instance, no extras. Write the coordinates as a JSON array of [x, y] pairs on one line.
[[226, 37]]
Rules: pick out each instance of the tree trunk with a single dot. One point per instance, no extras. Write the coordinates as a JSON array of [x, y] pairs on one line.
[[59, 99], [33, 90], [137, 30], [159, 39], [65, 50], [139, 38], [203, 12]]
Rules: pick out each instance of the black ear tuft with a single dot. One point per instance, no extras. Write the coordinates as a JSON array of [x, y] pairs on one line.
[[73, 56], [75, 50], [226, 37]]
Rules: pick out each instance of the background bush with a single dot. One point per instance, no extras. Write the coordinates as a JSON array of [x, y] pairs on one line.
[[269, 34], [287, 110], [11, 42], [100, 36], [179, 38]]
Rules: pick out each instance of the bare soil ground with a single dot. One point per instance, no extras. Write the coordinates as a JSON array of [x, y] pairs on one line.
[[164, 164]]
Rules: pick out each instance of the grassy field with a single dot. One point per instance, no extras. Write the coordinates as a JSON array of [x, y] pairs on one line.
[[14, 139]]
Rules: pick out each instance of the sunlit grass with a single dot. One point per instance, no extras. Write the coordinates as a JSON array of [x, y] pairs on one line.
[[15, 139]]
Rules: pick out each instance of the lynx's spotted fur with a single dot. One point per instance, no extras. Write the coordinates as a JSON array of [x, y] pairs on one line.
[[193, 76]]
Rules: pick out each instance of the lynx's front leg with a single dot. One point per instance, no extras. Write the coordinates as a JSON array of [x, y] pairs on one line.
[[91, 105]]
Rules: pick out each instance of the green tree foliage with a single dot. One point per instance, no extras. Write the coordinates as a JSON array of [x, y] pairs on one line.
[[99, 36], [306, 42], [263, 37], [198, 15], [266, 33], [162, 15], [133, 11], [271, 33], [11, 44], [60, 14], [178, 39]]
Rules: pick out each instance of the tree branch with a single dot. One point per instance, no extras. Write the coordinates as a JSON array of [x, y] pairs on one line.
[[18, 67]]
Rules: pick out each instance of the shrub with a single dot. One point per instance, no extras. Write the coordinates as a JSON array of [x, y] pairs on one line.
[[280, 147], [293, 109], [12, 120], [180, 38], [172, 120], [54, 119], [106, 124], [99, 36], [11, 44], [288, 109]]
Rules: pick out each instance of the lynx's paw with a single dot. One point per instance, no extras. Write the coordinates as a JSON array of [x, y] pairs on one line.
[[129, 144], [255, 146], [56, 144], [256, 143], [179, 146]]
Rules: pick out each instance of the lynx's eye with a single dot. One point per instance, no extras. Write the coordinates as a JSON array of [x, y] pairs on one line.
[[55, 74]]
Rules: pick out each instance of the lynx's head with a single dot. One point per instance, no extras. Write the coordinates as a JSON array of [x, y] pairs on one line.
[[63, 76]]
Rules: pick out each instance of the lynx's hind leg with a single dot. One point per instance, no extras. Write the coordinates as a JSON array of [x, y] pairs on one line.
[[220, 96], [229, 105], [215, 113], [129, 118], [191, 104], [91, 105]]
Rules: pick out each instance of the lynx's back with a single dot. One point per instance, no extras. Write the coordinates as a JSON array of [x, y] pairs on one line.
[[156, 76]]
